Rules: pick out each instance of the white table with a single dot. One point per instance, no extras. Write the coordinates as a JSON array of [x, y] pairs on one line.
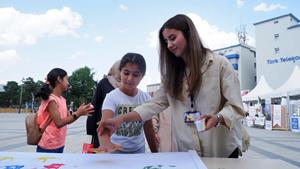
[[180, 160], [229, 163]]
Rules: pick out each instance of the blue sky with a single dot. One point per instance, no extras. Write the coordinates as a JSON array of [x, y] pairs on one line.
[[36, 36]]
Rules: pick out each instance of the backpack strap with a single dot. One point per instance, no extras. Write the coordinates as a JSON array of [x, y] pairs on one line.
[[48, 121]]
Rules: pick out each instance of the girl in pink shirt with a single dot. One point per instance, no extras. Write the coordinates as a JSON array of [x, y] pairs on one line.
[[53, 107]]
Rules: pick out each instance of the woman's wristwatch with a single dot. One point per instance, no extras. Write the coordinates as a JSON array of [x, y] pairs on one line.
[[219, 117]]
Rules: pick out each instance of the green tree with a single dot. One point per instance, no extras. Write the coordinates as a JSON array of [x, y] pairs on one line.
[[30, 88], [11, 93], [82, 84], [3, 99], [39, 85]]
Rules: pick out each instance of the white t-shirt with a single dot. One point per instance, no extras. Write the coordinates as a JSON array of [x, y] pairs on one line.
[[130, 135]]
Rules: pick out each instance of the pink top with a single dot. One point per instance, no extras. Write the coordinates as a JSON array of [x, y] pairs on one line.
[[53, 137]]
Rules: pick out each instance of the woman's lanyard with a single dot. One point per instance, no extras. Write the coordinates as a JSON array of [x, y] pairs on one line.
[[192, 102], [191, 95]]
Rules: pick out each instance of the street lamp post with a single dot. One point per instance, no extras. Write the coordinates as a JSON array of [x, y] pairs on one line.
[[21, 93], [32, 103]]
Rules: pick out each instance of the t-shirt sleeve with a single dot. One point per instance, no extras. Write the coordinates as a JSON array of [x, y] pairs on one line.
[[148, 97], [109, 103]]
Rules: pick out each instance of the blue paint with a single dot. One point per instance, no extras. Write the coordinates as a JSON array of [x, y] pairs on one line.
[[13, 166]]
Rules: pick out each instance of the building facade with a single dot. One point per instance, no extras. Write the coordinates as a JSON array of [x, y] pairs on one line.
[[151, 88], [242, 58], [277, 48]]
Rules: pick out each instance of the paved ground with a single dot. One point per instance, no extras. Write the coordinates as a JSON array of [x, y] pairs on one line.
[[284, 145], [13, 134]]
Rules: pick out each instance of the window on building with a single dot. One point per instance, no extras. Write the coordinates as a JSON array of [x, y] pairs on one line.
[[233, 60], [255, 65], [221, 53], [255, 79], [275, 22], [235, 66], [276, 50], [276, 36]]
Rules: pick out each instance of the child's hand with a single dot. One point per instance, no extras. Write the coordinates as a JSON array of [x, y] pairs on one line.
[[109, 148], [85, 109], [108, 126], [95, 150], [90, 109]]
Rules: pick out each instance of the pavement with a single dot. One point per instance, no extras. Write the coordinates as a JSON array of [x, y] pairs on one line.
[[13, 134], [264, 144]]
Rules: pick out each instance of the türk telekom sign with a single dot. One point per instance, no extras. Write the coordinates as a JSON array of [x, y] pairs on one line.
[[283, 59]]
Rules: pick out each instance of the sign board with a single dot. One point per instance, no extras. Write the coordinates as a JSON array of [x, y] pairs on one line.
[[277, 115], [295, 124], [268, 125]]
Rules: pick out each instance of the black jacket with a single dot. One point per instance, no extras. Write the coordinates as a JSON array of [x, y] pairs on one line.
[[103, 87]]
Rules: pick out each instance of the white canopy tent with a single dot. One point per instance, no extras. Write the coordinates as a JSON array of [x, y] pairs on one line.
[[290, 87], [262, 88]]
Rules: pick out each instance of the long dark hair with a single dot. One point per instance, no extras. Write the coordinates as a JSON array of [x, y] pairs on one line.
[[173, 68], [51, 81]]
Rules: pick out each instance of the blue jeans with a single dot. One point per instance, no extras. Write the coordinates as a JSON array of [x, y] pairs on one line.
[[42, 150]]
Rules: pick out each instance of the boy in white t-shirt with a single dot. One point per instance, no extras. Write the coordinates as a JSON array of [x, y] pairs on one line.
[[129, 137]]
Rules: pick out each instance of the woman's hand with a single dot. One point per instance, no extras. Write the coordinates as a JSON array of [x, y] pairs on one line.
[[210, 120]]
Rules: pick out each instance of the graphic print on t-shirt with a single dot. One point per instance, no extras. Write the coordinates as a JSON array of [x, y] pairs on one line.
[[128, 129]]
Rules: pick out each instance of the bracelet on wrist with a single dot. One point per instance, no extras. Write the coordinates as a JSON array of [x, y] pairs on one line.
[[219, 117]]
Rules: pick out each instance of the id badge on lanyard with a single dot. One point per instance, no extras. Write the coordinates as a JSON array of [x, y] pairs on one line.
[[191, 116]]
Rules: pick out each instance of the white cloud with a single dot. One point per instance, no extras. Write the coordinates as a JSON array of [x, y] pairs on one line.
[[251, 41], [98, 39], [25, 28], [152, 39], [240, 3], [211, 36], [123, 30], [9, 57], [263, 7], [123, 7], [77, 55], [85, 36]]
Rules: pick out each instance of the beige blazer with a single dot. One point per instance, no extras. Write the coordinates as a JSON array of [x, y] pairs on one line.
[[219, 93]]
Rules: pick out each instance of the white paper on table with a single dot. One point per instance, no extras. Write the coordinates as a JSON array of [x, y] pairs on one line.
[[173, 160]]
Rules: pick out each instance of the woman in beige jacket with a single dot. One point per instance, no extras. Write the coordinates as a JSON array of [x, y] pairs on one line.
[[194, 82]]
